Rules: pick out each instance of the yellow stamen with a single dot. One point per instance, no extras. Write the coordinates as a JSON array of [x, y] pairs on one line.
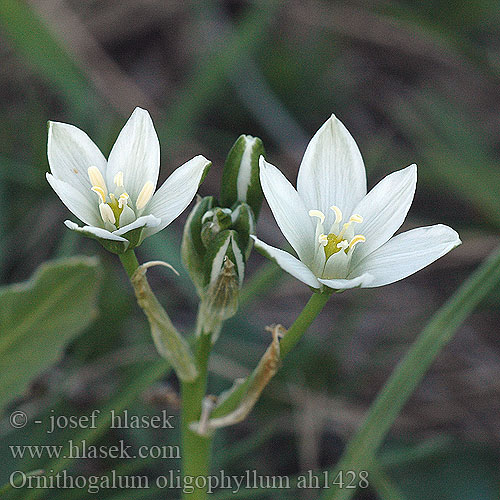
[[338, 213], [97, 180], [118, 179], [359, 238], [122, 200], [323, 239], [145, 195], [100, 192], [354, 218], [107, 213], [317, 213]]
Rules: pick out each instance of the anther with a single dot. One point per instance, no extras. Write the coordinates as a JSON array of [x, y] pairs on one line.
[[107, 213], [356, 218], [118, 179], [317, 213], [97, 180], [359, 238], [338, 213], [323, 239], [100, 192], [145, 195], [122, 200]]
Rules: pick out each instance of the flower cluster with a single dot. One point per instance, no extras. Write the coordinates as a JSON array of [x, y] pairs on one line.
[[342, 235]]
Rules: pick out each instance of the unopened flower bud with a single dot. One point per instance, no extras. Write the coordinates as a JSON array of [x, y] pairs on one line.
[[202, 236], [224, 271], [240, 178], [193, 249]]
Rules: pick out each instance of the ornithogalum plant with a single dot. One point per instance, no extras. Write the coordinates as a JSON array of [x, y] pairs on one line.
[[343, 238]]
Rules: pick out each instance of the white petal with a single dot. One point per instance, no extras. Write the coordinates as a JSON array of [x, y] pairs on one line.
[[332, 171], [407, 253], [84, 207], [288, 263], [95, 231], [362, 281], [136, 153], [71, 152], [176, 192], [144, 221], [384, 209], [289, 211]]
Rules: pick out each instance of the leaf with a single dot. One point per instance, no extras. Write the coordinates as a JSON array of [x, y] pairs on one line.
[[38, 319]]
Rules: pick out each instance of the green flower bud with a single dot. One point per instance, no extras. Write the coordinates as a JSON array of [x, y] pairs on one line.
[[213, 222], [193, 249], [203, 227], [240, 178]]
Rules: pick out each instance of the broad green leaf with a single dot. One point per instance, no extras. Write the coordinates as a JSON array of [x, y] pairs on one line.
[[38, 318]]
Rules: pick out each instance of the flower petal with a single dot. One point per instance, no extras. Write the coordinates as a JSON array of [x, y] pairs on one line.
[[136, 153], [287, 262], [71, 152], [84, 207], [95, 232], [362, 281], [384, 209], [176, 192], [407, 253], [332, 171], [144, 221], [288, 210]]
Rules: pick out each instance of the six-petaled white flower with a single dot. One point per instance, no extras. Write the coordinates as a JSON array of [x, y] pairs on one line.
[[116, 199], [343, 236]]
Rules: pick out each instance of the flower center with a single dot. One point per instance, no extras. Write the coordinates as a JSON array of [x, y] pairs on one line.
[[340, 238], [113, 206], [337, 240]]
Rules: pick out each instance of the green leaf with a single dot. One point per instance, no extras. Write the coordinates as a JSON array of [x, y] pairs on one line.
[[361, 449], [38, 318]]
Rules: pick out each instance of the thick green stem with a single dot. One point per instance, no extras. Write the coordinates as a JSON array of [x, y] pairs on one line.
[[313, 307], [129, 261], [195, 448]]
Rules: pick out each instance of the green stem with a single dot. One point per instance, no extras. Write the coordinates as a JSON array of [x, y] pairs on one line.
[[195, 448], [411, 370], [313, 307], [129, 261]]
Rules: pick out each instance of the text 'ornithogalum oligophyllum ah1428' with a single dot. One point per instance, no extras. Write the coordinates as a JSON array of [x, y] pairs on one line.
[[343, 236], [116, 199]]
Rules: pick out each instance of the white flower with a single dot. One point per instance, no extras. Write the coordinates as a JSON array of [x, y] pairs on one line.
[[116, 199], [342, 235]]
